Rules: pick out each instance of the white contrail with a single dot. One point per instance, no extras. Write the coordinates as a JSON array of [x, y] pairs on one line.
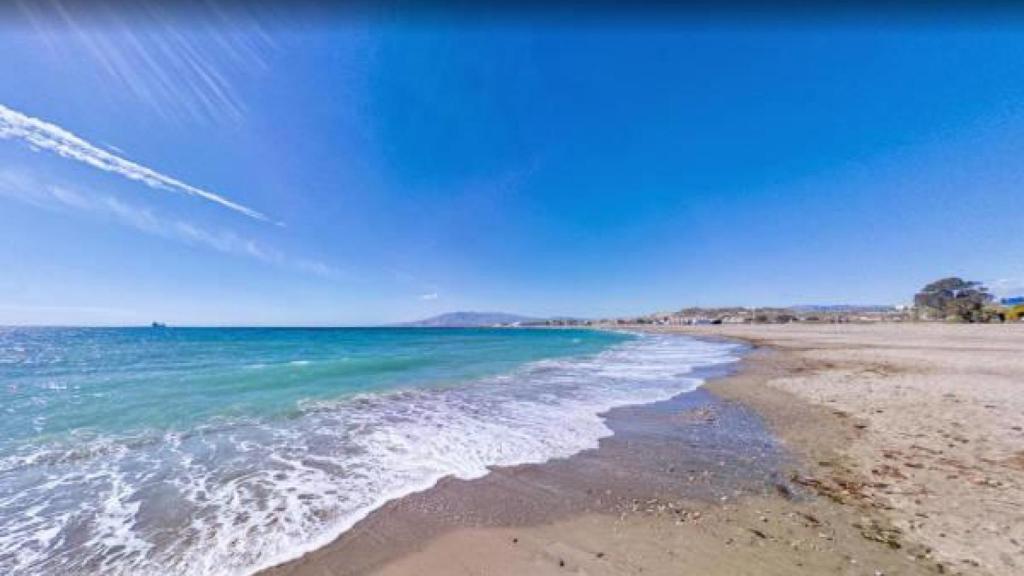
[[46, 136]]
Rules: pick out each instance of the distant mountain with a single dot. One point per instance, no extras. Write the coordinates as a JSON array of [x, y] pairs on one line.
[[841, 308], [469, 320]]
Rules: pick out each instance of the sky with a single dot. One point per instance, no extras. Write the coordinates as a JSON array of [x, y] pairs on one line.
[[233, 168]]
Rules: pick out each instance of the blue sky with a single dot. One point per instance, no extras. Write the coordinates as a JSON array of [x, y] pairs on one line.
[[243, 171]]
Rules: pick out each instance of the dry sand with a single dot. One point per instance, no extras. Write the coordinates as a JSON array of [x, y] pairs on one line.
[[901, 451], [939, 417]]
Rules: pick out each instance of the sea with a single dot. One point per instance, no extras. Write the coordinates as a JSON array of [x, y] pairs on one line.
[[221, 451]]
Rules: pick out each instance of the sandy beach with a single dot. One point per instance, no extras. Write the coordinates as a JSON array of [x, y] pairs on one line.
[[831, 449], [537, 289]]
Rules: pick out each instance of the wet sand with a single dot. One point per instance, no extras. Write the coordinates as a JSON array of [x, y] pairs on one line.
[[829, 451]]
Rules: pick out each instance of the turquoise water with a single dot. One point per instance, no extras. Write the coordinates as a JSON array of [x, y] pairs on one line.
[[59, 380], [221, 451]]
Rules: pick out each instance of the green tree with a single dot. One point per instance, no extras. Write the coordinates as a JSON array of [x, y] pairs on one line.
[[954, 298]]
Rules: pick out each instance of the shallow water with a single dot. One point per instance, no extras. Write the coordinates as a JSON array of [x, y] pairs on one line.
[[220, 451]]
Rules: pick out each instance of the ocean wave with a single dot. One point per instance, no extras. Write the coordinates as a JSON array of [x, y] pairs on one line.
[[233, 498]]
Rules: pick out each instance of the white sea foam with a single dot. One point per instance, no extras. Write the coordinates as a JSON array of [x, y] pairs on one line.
[[235, 498]]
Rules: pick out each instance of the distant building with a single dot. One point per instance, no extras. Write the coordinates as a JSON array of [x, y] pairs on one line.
[[1012, 309]]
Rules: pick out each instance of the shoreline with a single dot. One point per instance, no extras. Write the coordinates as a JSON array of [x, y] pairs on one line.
[[405, 524], [834, 501]]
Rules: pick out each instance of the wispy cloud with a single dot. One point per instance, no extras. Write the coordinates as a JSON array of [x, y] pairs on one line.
[[184, 74], [23, 188], [1006, 287], [316, 268], [429, 296], [43, 135]]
